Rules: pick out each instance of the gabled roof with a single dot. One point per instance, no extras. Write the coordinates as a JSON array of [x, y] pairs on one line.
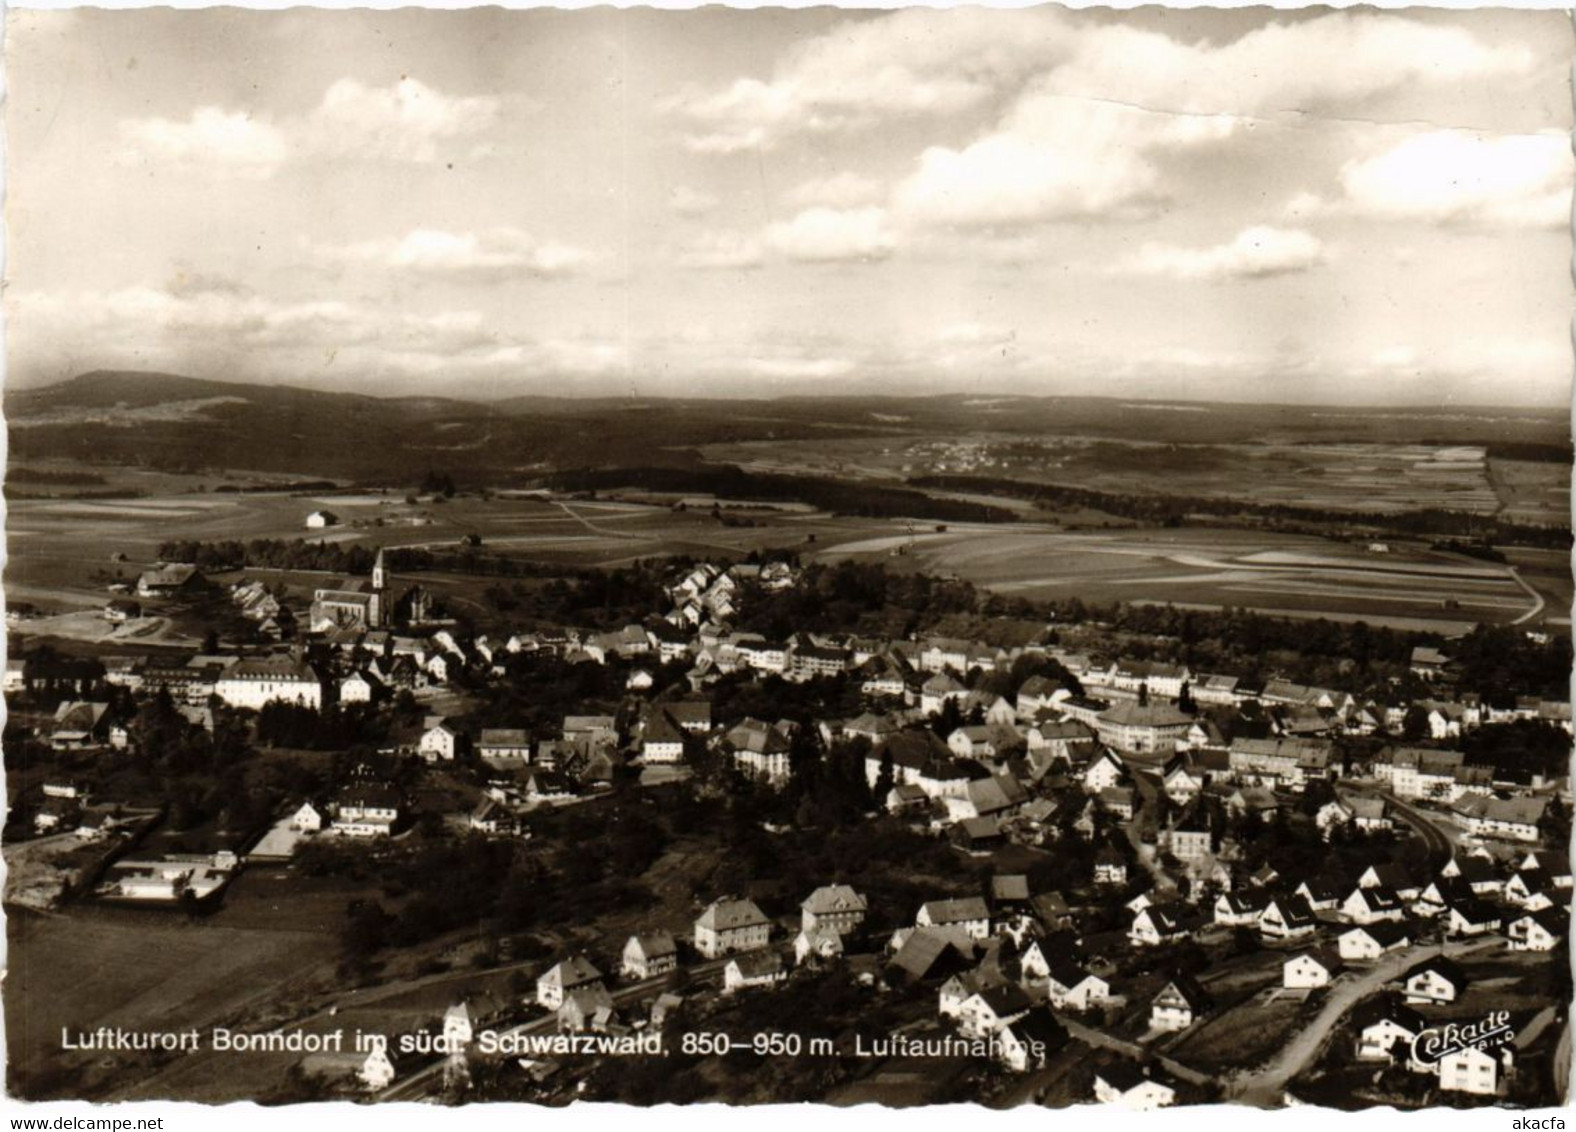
[[961, 910], [758, 964], [1386, 933], [831, 898], [728, 914], [1388, 1007], [922, 951], [1187, 989], [574, 971], [654, 944], [1445, 967]]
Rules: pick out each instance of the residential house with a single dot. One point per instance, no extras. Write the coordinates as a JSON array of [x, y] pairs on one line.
[[307, 819], [1514, 819], [1070, 987], [729, 925], [1436, 981], [1386, 1029], [504, 748], [366, 810], [1286, 917], [937, 690], [377, 1071], [1371, 905], [985, 1012], [588, 1007], [1542, 930], [1180, 1003], [1161, 923], [761, 968], [79, 725], [1104, 772], [1309, 970], [493, 818], [835, 906], [555, 984], [1121, 1084], [1110, 867], [1371, 942], [1323, 893], [759, 750], [1472, 917], [1031, 1041], [820, 942], [648, 955], [1392, 876], [1475, 1070], [1239, 910], [965, 918], [662, 740]]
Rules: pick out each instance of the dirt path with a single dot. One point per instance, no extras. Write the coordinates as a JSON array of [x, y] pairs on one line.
[[1537, 599], [1266, 1087]]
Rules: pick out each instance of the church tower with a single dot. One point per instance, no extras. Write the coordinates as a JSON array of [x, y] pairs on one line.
[[380, 585]]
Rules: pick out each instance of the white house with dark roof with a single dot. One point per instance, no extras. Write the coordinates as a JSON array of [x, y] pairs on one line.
[[967, 917], [272, 679], [1120, 1083], [833, 905], [729, 925], [648, 955], [563, 977]]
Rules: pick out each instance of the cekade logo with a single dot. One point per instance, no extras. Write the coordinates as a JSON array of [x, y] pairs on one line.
[[1438, 1042]]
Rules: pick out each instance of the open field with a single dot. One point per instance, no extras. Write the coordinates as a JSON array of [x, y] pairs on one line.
[[1240, 1037], [1531, 492], [138, 970], [1370, 477], [1285, 574], [61, 555]]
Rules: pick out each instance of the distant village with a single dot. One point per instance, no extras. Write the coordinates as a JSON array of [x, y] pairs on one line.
[[1232, 851]]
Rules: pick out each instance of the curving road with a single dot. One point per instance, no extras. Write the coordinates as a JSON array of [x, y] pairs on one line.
[[1266, 1087], [1538, 603]]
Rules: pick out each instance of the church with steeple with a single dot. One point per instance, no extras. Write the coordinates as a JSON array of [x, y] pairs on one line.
[[354, 603]]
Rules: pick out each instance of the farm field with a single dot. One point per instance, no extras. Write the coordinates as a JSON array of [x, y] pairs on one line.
[[1284, 574], [1531, 492], [61, 555], [1377, 478], [84, 971]]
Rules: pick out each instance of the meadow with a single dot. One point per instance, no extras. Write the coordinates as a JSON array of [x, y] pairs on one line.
[[65, 552]]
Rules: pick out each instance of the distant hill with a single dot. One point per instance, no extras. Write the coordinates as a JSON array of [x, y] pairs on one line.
[[189, 423]]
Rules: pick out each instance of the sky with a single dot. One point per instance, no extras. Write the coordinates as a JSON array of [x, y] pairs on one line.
[[1346, 207]]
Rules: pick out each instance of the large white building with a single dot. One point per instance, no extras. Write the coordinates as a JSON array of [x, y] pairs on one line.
[[281, 679]]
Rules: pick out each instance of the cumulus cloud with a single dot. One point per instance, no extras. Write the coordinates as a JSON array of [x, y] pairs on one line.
[[722, 251], [495, 254], [921, 63], [1454, 176], [408, 122], [829, 235], [1053, 158], [1255, 252], [913, 63], [231, 140], [1269, 70]]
